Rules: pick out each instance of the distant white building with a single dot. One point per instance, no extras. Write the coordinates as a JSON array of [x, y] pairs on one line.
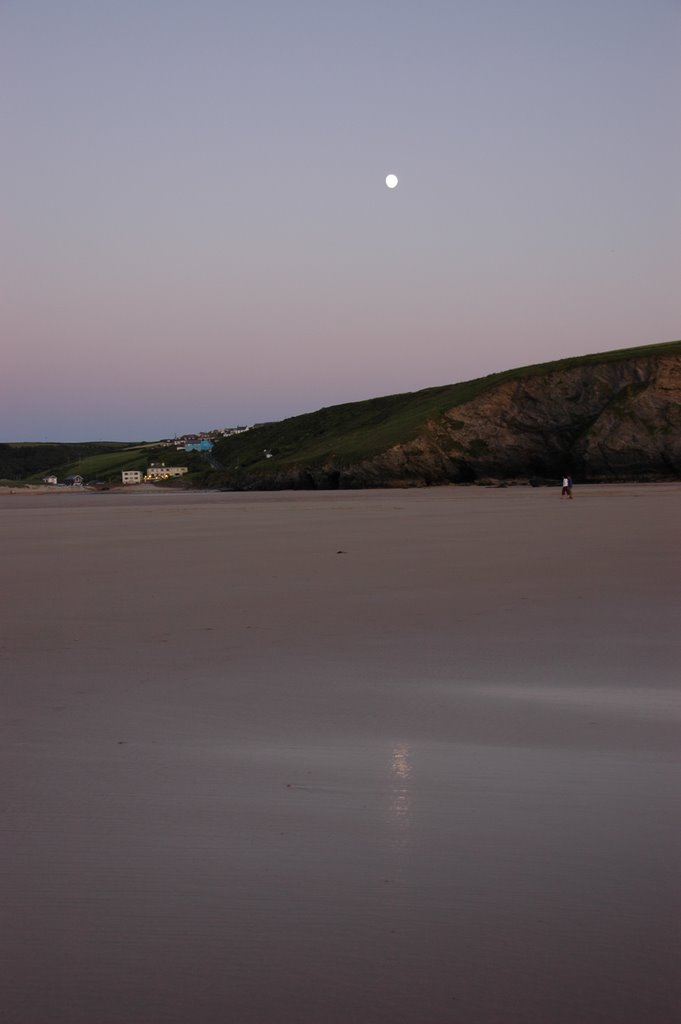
[[132, 476], [51, 479], [164, 472]]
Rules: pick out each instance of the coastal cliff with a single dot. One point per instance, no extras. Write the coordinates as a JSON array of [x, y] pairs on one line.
[[615, 416]]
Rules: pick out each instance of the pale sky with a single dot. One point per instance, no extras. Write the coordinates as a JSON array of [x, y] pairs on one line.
[[196, 231]]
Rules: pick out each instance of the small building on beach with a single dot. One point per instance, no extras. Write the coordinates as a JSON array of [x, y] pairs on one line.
[[131, 476]]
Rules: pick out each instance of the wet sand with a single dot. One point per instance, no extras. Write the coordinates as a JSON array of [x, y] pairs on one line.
[[392, 757]]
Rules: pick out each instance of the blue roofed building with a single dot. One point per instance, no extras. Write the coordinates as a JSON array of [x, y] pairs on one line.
[[198, 444]]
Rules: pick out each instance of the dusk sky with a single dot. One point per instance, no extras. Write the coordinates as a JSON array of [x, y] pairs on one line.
[[196, 230]]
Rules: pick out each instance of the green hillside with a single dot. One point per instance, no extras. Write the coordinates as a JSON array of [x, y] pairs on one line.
[[29, 461], [97, 460], [107, 467], [342, 434], [360, 430]]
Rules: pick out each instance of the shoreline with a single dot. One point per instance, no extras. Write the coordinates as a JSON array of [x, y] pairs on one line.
[[150, 488]]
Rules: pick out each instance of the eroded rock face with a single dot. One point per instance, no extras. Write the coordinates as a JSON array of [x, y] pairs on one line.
[[611, 421], [619, 420]]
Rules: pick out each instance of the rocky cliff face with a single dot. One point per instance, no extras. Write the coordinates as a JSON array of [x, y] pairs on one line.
[[610, 421], [616, 420]]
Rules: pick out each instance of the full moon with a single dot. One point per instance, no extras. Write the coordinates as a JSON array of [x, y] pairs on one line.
[[391, 180]]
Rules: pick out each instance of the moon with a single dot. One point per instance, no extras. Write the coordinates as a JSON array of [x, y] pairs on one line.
[[391, 181]]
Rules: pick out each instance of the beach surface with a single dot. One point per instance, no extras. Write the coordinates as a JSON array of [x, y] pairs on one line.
[[380, 757]]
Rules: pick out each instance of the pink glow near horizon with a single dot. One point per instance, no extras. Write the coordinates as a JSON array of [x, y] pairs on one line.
[[199, 234]]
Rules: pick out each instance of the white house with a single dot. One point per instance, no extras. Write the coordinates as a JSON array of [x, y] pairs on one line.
[[132, 476], [51, 479], [164, 472]]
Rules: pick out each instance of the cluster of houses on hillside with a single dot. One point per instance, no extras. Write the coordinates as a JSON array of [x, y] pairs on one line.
[[202, 442], [156, 471]]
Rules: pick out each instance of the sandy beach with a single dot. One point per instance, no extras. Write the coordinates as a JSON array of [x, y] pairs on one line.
[[380, 757]]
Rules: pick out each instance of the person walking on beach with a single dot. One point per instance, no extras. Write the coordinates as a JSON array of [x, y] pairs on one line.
[[566, 487], [569, 487]]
